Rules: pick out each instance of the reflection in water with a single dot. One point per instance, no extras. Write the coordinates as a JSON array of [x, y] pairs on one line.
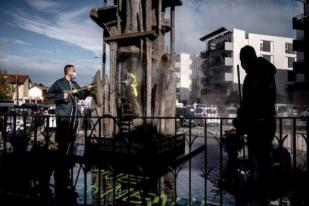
[[131, 188]]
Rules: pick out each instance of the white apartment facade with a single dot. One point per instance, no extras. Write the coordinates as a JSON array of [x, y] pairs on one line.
[[278, 50], [222, 51], [183, 69]]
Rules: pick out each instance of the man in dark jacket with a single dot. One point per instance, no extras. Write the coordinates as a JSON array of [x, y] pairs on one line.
[[256, 115], [65, 93]]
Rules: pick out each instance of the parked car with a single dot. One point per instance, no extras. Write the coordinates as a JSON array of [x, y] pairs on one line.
[[183, 116], [231, 113], [213, 115], [282, 110], [304, 114], [51, 113], [6, 106], [200, 112], [287, 110], [209, 112], [301, 123]]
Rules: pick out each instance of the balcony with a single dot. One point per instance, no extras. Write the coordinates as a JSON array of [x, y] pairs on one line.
[[222, 77], [228, 77], [228, 61], [228, 46], [299, 67], [300, 22], [204, 54], [299, 45]]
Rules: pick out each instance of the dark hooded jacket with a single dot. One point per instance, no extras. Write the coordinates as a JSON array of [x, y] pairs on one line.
[[56, 93], [259, 92]]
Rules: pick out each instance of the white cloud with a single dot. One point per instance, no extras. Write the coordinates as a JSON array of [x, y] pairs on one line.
[[4, 41], [43, 5], [18, 41], [72, 27], [199, 17]]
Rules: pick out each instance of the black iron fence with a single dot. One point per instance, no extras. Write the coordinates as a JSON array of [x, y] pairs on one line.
[[136, 165]]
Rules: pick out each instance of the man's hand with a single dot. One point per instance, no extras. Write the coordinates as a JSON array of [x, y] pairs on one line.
[[66, 96], [230, 132], [89, 87]]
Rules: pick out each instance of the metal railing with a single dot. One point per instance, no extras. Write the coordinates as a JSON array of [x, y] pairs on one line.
[[137, 165]]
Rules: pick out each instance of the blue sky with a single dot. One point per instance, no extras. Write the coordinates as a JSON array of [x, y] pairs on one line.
[[38, 37]]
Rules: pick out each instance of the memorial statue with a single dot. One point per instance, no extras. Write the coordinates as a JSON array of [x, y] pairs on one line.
[[134, 31]]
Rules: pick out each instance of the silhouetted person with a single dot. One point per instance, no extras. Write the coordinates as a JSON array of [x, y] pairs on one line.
[[64, 92], [256, 114]]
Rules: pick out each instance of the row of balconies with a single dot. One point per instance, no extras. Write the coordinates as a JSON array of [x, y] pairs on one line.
[[228, 46], [219, 62], [223, 77], [300, 22], [218, 78], [226, 66], [299, 67], [299, 45]]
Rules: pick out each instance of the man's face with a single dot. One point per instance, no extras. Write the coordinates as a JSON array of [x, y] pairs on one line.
[[71, 72]]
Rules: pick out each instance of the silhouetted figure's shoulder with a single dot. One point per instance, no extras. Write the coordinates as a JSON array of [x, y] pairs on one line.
[[265, 66]]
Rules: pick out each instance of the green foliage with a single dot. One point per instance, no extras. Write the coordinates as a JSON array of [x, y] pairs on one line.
[[47, 101], [20, 139], [5, 90]]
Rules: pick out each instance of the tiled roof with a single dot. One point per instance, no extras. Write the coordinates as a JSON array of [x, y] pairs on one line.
[[19, 79]]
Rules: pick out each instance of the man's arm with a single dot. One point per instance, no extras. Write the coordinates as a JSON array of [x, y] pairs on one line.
[[55, 93], [83, 93]]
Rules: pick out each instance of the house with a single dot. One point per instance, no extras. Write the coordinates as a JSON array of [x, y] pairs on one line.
[[20, 85], [36, 93]]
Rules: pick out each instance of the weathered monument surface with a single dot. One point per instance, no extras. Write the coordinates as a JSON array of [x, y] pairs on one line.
[[141, 81]]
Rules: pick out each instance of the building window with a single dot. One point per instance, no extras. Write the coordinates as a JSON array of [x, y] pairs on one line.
[[266, 46], [290, 62], [269, 58], [289, 48]]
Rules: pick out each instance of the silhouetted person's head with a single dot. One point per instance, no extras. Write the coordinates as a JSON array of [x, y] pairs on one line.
[[247, 57]]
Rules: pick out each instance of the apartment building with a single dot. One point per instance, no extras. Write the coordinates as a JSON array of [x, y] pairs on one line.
[[221, 58]]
